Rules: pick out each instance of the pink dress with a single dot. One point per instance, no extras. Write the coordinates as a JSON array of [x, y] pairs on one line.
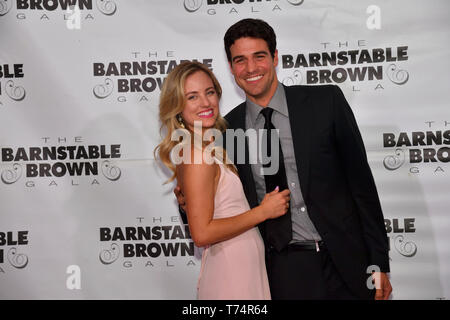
[[233, 269]]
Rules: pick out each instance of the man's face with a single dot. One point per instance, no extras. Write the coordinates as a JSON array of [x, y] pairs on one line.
[[253, 69]]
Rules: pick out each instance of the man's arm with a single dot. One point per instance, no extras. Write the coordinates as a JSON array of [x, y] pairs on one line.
[[352, 152]]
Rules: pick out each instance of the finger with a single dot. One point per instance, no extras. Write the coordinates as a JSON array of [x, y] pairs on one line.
[[379, 294], [180, 197], [286, 199], [277, 188], [387, 293], [180, 200], [177, 191]]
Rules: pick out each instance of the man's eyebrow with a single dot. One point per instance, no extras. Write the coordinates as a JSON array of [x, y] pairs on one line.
[[237, 57], [254, 53], [261, 52]]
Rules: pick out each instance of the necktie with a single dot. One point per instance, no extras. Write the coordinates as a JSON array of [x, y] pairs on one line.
[[278, 232]]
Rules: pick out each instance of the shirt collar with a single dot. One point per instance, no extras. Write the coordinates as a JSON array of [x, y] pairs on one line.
[[278, 103]]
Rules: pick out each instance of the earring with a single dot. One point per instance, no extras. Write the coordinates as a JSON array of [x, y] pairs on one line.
[[180, 121]]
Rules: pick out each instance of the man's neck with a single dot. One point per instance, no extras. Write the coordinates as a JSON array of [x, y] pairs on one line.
[[264, 101]]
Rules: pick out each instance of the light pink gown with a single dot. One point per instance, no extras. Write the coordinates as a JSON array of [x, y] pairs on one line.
[[233, 269]]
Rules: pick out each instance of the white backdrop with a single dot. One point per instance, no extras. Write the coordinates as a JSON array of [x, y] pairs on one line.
[[94, 220]]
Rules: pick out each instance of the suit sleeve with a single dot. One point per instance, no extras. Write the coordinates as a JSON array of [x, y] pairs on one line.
[[352, 153]]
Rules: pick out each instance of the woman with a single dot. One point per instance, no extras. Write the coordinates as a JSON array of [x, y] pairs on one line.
[[220, 219]]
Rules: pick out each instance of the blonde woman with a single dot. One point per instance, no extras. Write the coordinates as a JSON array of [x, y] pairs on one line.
[[220, 219]]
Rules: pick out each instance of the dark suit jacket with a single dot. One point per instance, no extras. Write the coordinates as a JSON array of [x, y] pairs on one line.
[[335, 178]]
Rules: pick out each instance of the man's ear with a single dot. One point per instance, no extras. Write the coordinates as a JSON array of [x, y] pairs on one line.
[[275, 58], [230, 65]]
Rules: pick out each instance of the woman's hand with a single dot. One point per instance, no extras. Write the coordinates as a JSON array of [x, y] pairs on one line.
[[275, 203]]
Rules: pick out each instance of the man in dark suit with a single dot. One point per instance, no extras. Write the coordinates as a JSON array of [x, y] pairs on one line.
[[333, 237]]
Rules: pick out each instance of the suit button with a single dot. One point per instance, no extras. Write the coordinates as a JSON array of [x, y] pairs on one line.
[[302, 209]]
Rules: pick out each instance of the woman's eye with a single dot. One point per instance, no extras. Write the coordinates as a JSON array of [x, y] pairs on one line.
[[191, 97], [211, 92]]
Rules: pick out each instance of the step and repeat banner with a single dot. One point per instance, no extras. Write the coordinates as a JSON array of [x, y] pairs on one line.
[[84, 211]]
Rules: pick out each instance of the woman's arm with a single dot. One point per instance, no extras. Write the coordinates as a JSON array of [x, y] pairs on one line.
[[198, 182]]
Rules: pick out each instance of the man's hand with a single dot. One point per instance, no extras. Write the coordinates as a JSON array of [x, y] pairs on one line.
[[382, 285], [180, 197]]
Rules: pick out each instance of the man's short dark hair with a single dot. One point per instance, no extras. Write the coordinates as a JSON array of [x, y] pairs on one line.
[[252, 28]]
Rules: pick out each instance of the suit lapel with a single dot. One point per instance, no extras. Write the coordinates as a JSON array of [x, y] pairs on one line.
[[300, 118]]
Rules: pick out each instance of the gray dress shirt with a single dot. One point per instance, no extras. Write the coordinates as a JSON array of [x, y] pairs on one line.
[[302, 227]]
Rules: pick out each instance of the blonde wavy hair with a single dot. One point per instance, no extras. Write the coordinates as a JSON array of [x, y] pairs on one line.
[[171, 104]]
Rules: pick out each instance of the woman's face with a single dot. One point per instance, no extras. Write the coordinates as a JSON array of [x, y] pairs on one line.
[[202, 101]]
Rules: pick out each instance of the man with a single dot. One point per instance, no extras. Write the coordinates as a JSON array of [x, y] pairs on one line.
[[334, 237]]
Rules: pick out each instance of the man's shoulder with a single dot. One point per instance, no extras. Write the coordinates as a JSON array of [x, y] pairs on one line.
[[320, 94], [236, 113], [313, 89]]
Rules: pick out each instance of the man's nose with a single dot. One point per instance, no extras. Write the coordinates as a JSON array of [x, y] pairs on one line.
[[251, 65]]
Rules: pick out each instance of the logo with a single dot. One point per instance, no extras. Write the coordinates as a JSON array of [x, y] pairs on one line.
[[374, 20], [5, 6], [53, 162], [359, 65], [10, 87], [73, 281], [139, 76], [263, 147], [158, 244], [213, 7], [192, 5], [422, 148], [45, 8], [11, 245], [399, 227]]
